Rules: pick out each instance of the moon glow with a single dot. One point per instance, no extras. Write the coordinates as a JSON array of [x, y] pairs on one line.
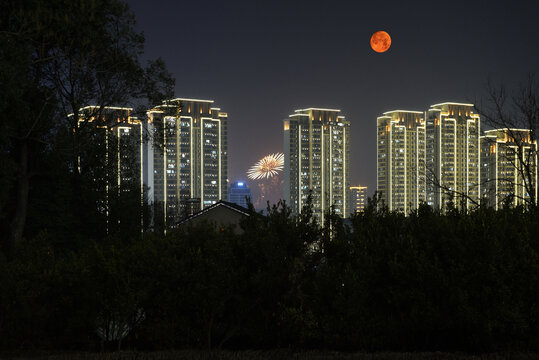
[[380, 41]]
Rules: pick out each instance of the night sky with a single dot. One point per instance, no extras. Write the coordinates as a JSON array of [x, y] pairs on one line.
[[261, 60]]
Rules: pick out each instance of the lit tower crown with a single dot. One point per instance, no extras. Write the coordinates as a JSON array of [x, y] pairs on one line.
[[317, 161]]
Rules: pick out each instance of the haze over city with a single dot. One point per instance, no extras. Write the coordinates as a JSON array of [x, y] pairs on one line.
[[259, 61]]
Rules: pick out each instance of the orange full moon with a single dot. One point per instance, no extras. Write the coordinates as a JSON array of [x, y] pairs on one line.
[[380, 41]]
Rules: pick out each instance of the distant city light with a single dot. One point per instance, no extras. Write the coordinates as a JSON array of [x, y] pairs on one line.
[[267, 167]]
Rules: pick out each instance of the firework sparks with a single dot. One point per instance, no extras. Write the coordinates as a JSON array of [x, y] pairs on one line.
[[267, 167]]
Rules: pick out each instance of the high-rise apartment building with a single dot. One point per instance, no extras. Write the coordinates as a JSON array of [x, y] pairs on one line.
[[453, 155], [186, 157], [317, 161], [357, 198], [401, 159], [238, 193], [509, 167], [111, 158]]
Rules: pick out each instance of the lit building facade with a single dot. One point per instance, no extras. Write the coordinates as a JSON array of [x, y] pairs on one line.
[[317, 161], [238, 193], [401, 178], [112, 158], [357, 198], [186, 157], [509, 167], [453, 155]]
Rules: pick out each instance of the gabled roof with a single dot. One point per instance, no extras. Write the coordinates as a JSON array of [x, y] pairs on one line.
[[229, 205]]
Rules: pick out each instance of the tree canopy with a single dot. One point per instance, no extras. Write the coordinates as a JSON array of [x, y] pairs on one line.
[[57, 57]]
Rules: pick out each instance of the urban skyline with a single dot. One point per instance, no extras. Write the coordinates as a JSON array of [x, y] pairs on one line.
[[463, 81], [262, 60], [442, 159]]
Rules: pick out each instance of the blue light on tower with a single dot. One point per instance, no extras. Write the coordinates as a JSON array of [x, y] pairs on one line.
[[238, 193]]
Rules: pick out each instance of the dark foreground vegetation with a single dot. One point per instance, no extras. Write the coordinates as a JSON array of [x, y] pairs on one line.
[[271, 355], [427, 282]]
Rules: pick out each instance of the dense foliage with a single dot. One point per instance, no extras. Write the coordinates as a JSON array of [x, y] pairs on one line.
[[56, 58], [385, 281]]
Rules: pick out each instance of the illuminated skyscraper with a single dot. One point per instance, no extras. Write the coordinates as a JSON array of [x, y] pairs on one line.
[[453, 155], [238, 193], [358, 199], [317, 161], [112, 157], [509, 167], [401, 159], [186, 157]]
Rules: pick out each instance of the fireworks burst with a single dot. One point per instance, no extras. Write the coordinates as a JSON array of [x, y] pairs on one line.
[[267, 167]]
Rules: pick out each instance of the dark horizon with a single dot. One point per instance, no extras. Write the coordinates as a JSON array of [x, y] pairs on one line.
[[261, 61]]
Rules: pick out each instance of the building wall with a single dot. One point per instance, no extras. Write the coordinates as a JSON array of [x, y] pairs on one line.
[[238, 193], [112, 158], [317, 161], [401, 151], [453, 155], [188, 149], [505, 156], [358, 199]]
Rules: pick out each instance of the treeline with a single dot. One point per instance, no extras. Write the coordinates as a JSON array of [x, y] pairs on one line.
[[454, 282]]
